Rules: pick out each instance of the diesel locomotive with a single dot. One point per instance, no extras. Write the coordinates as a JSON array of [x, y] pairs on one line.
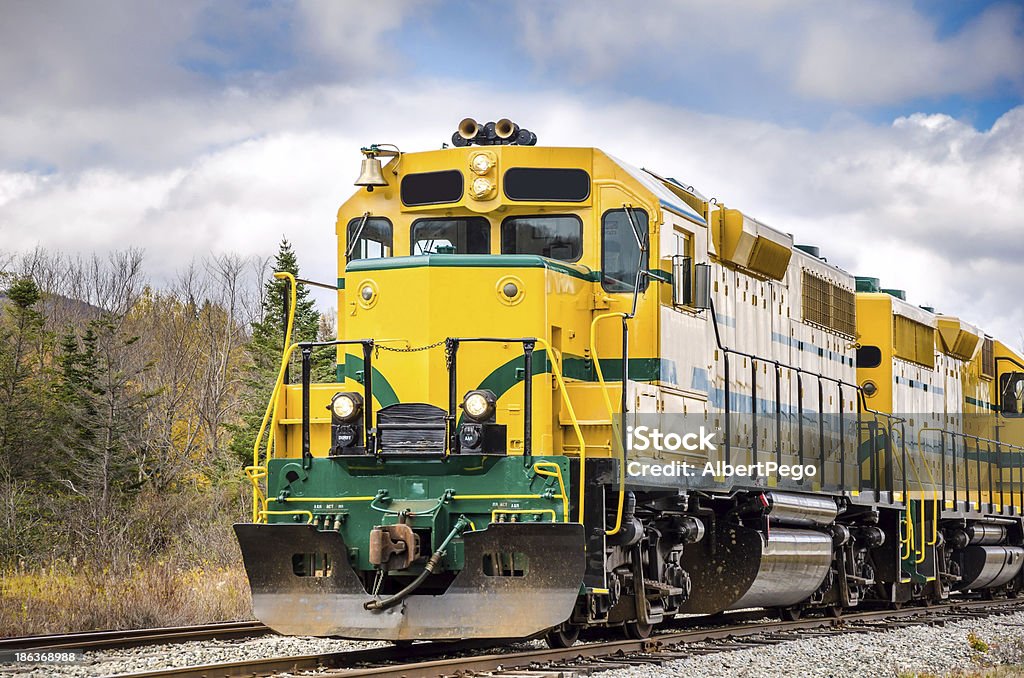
[[512, 316]]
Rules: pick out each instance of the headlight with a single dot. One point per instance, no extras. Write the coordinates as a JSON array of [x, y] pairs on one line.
[[346, 406], [479, 405], [481, 188], [481, 163], [869, 388]]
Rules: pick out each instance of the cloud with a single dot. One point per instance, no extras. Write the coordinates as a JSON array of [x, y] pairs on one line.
[[878, 54], [761, 54], [927, 203], [63, 54]]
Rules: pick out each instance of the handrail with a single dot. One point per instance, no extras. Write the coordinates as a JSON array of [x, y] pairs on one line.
[[538, 469], [906, 500], [557, 371], [912, 549], [611, 413], [308, 514], [272, 405], [931, 478]]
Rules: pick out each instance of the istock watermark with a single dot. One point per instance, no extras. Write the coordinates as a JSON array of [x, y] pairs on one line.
[[719, 469], [645, 445], [644, 438]]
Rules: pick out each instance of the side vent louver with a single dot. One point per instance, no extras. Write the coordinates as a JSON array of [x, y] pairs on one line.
[[828, 305]]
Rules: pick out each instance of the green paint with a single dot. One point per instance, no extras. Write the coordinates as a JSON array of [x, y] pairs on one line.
[[474, 261], [383, 391], [486, 261], [416, 484], [980, 403]]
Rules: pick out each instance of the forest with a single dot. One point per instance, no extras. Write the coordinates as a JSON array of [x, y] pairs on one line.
[[128, 409]]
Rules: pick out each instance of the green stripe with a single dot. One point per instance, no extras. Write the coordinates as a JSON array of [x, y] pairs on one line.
[[485, 261], [382, 389], [980, 403], [504, 377], [474, 261]]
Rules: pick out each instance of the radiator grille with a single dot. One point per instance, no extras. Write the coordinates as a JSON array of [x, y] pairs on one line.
[[828, 305], [988, 359]]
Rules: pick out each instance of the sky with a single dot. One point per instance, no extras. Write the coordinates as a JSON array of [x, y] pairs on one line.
[[889, 133]]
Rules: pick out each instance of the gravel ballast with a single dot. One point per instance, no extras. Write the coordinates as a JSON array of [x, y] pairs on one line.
[[152, 657], [909, 651]]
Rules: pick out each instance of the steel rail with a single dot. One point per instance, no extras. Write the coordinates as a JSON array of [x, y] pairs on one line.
[[110, 640], [437, 659]]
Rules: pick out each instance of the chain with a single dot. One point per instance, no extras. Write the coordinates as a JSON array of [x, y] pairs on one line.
[[412, 349]]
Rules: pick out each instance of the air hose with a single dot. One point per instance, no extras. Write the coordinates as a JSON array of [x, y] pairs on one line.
[[435, 559]]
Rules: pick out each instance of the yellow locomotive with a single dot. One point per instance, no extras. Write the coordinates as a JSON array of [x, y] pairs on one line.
[[583, 394]]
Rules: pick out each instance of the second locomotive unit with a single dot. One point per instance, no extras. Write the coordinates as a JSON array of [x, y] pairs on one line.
[[510, 316]]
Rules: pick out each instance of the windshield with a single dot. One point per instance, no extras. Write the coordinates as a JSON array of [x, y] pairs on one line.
[[556, 237], [471, 235]]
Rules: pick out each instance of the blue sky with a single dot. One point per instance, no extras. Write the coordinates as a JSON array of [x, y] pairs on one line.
[[891, 133]]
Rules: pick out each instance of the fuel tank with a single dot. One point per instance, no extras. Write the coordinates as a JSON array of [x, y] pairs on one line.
[[983, 567], [801, 510], [743, 567]]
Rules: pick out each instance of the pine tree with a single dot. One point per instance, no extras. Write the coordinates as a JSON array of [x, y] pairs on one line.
[[104, 446], [266, 347], [23, 433]]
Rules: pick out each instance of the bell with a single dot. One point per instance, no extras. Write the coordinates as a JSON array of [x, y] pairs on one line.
[[371, 174]]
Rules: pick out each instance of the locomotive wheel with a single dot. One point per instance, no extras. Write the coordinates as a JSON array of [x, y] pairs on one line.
[[789, 613], [562, 636], [637, 630]]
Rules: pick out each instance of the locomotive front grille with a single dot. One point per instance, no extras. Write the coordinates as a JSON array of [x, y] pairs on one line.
[[412, 428]]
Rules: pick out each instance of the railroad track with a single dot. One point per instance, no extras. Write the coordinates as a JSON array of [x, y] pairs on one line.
[[112, 640], [432, 660]]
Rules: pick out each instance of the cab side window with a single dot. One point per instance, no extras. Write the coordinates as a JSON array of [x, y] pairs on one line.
[[620, 251], [369, 238]]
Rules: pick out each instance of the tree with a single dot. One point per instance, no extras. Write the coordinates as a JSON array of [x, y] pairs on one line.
[[25, 421], [267, 344]]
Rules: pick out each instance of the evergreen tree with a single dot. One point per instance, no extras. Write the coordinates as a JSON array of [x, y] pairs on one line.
[[23, 397], [267, 345], [104, 446]]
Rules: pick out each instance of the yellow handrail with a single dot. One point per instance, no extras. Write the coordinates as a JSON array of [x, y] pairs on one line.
[[611, 414], [931, 478], [308, 514], [254, 474], [272, 405], [908, 524], [557, 371], [919, 554], [329, 500], [538, 468]]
